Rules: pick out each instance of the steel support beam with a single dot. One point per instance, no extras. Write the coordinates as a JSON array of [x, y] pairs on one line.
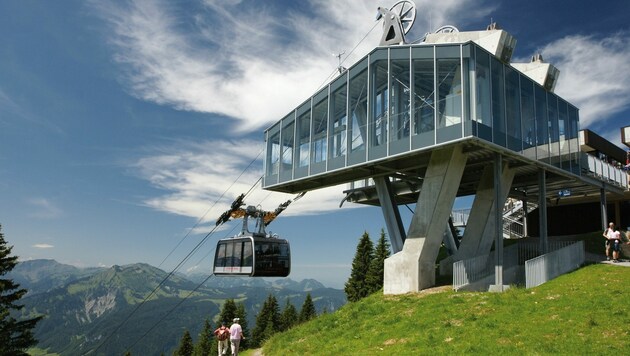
[[391, 213], [498, 225], [542, 211]]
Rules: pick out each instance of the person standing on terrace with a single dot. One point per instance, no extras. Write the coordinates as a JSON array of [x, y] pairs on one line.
[[609, 235]]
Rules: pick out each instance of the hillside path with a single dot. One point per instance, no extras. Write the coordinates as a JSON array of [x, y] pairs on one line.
[[258, 352]]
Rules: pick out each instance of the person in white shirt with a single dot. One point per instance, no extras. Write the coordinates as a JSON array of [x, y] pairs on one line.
[[236, 334], [609, 234]]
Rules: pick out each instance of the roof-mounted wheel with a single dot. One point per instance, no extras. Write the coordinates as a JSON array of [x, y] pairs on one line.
[[397, 22]]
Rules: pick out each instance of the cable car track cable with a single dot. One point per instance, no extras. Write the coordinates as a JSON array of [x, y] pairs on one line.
[[188, 256], [213, 205]]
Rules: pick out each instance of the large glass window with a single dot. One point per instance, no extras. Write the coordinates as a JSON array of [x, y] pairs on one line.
[[554, 134], [273, 155], [563, 129], [449, 92], [303, 140], [319, 139], [483, 96], [399, 103], [288, 128], [358, 113], [542, 126], [573, 137], [380, 96], [338, 124], [424, 98], [528, 118], [498, 103], [513, 109]]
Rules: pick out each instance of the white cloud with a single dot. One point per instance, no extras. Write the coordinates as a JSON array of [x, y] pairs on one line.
[[251, 61], [44, 209], [43, 246], [593, 74], [195, 176]]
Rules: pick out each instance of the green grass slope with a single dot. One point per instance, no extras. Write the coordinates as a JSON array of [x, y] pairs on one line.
[[581, 313]]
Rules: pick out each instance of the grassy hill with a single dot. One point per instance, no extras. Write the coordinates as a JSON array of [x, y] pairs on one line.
[[581, 313]]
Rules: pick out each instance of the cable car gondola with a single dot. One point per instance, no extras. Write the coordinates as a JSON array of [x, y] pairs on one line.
[[254, 254]]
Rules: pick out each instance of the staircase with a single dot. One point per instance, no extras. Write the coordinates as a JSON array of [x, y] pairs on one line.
[[513, 217]]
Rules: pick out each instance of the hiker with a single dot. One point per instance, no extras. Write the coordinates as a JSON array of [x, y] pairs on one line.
[[236, 334], [609, 235], [222, 334]]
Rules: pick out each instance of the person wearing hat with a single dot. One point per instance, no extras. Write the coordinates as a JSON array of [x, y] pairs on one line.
[[236, 334], [222, 334]]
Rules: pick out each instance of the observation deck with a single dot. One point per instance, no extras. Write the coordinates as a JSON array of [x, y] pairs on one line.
[[385, 115]]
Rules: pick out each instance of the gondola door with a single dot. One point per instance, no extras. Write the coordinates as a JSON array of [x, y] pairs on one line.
[[234, 257]]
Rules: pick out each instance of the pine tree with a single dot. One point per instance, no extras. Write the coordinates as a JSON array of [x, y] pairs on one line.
[[185, 345], [203, 347], [356, 286], [242, 315], [308, 311], [288, 317], [376, 271], [228, 312], [267, 321], [15, 336]]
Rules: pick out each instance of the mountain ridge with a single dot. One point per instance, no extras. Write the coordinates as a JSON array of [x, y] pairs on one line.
[[85, 307]]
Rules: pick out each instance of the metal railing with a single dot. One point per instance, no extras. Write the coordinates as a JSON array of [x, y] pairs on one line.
[[604, 170], [472, 270], [469, 271], [544, 268], [460, 217]]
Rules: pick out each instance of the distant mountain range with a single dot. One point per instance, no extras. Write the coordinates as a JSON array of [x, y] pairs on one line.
[[86, 308]]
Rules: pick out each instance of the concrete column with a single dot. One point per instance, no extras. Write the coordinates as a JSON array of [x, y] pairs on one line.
[[413, 269], [479, 233], [542, 210], [390, 213]]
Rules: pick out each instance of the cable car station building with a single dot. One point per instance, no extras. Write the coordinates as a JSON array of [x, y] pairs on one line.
[[428, 122]]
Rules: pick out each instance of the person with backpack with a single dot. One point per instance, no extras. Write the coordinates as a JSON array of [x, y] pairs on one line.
[[222, 334]]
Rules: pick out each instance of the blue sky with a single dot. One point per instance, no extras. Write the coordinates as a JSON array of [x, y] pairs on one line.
[[122, 122]]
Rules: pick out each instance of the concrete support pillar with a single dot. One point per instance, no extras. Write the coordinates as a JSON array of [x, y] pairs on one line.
[[413, 269], [479, 233], [542, 210], [390, 213]]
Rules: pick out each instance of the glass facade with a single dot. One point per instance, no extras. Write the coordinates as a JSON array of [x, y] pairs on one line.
[[405, 98]]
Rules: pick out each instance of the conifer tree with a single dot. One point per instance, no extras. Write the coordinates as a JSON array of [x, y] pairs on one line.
[[267, 321], [228, 312], [288, 317], [242, 315], [308, 311], [376, 271], [203, 347], [15, 336], [356, 286], [185, 345]]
